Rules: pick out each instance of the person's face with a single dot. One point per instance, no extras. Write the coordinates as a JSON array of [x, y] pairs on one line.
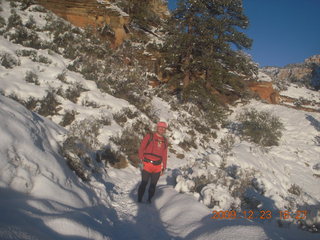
[[161, 130]]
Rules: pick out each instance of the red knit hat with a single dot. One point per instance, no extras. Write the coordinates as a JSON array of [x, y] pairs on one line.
[[162, 124]]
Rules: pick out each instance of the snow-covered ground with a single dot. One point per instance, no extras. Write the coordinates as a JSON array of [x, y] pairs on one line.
[[41, 198]]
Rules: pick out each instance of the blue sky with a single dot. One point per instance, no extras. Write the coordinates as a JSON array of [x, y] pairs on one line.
[[283, 31]]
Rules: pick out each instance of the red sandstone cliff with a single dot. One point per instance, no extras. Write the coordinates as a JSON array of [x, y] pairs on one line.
[[98, 13]]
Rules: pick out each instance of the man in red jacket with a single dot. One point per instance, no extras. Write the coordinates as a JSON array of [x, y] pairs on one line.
[[153, 156]]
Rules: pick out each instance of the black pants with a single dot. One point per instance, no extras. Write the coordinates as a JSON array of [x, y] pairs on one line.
[[154, 177]]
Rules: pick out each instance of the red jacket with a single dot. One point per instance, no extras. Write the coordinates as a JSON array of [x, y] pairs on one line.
[[158, 147]]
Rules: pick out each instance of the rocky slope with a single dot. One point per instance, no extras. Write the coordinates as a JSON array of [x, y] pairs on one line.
[[101, 14], [306, 73], [300, 75]]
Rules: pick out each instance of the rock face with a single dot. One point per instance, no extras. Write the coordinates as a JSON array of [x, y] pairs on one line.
[[307, 73], [94, 13], [103, 14], [301, 74], [265, 91]]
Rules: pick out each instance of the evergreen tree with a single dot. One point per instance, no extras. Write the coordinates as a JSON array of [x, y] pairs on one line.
[[202, 36], [140, 12]]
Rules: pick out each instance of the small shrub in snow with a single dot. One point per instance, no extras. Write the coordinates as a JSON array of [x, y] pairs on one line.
[[81, 146], [26, 3], [300, 101], [15, 97], [104, 86], [8, 60], [105, 120], [2, 23], [43, 59], [88, 103], [68, 118], [31, 103], [13, 4], [87, 132], [31, 23], [295, 189], [188, 143], [25, 37], [141, 126], [260, 127], [49, 104], [122, 116], [27, 53], [226, 144], [74, 92], [56, 25], [128, 144], [218, 188], [32, 77], [38, 8], [114, 158], [63, 76], [14, 20], [75, 153]]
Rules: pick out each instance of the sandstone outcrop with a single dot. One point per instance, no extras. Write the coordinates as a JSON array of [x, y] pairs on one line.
[[94, 13], [265, 91], [100, 14], [306, 73]]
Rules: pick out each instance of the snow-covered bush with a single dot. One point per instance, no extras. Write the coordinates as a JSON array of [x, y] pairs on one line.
[[122, 116], [9, 60], [75, 153], [14, 20], [49, 104], [27, 53], [26, 3], [188, 142], [33, 55], [31, 103], [221, 189], [260, 127], [73, 93], [42, 59], [87, 131], [2, 23], [31, 23], [68, 118], [295, 189], [32, 77], [226, 144], [81, 146], [110, 156], [13, 3], [62, 76], [128, 143], [300, 101], [38, 8], [26, 37]]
